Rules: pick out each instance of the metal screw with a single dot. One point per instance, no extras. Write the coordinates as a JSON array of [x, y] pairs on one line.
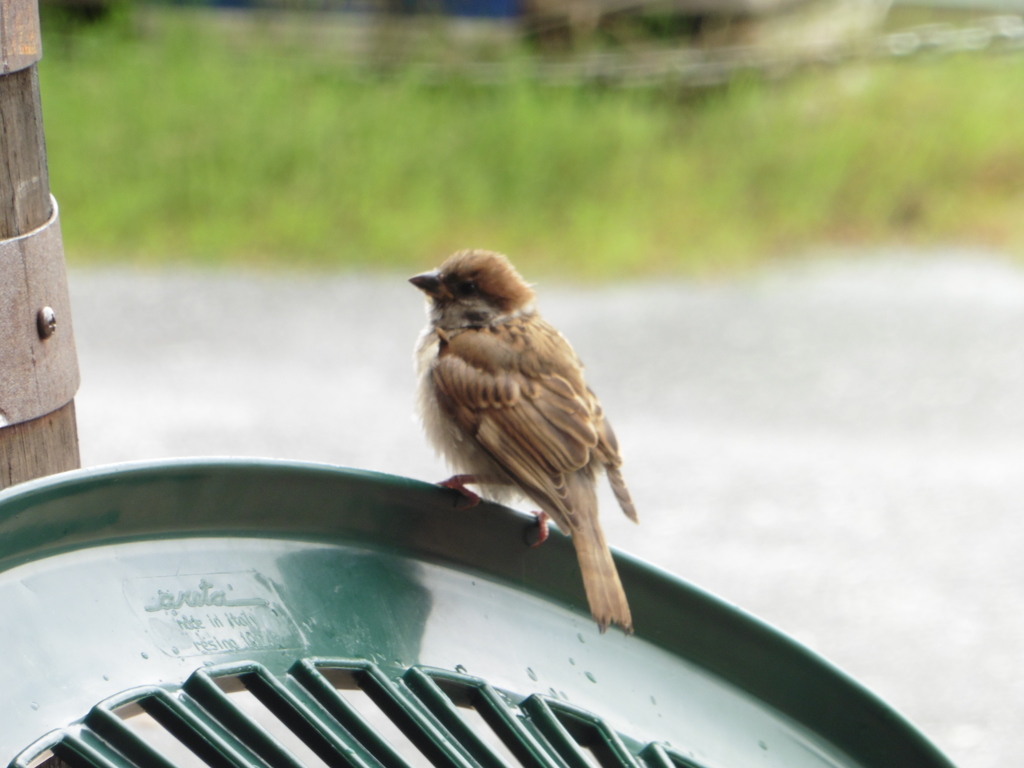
[[46, 322]]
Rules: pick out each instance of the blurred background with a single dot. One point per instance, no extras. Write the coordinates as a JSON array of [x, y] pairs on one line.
[[588, 138], [784, 235]]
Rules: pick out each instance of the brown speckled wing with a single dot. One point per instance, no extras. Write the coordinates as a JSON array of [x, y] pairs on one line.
[[519, 391]]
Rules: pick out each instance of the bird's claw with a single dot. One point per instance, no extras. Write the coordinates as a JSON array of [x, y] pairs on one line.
[[458, 483], [537, 534]]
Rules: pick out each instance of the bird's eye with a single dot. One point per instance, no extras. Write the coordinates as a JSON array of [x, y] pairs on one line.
[[467, 288]]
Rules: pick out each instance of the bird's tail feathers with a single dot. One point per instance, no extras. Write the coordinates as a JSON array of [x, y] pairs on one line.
[[622, 493], [605, 595]]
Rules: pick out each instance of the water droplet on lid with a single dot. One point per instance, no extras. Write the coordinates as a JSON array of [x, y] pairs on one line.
[[531, 673], [572, 661], [35, 705], [174, 650], [579, 636], [145, 655], [590, 677], [762, 745], [655, 703], [460, 669], [106, 677]]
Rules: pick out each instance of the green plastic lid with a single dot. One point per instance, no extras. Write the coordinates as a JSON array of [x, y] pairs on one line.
[[258, 613]]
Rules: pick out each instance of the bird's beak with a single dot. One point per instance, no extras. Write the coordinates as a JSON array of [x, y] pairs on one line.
[[428, 282]]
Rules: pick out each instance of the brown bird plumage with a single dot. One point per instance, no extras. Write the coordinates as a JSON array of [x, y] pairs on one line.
[[503, 398]]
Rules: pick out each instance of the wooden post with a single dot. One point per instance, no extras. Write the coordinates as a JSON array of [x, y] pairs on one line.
[[33, 442]]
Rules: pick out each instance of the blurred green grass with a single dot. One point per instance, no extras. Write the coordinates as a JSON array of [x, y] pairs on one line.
[[176, 142]]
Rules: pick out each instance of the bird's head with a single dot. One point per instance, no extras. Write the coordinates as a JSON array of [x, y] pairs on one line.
[[474, 288]]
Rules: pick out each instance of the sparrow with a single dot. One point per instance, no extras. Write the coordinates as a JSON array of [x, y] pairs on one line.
[[502, 397]]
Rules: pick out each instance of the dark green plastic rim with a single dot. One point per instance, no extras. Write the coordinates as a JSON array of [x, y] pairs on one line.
[[415, 519]]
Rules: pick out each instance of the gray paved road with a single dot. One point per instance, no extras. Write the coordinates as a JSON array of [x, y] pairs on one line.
[[838, 449]]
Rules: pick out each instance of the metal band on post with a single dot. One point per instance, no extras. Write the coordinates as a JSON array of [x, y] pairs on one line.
[[38, 363], [20, 41]]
